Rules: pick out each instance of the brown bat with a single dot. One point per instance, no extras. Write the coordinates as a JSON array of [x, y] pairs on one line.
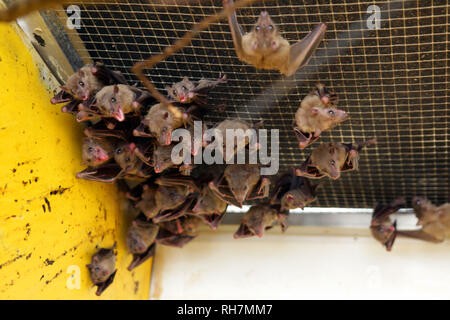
[[147, 204], [232, 125], [160, 121], [187, 91], [259, 218], [240, 182], [114, 101], [330, 159], [316, 114], [381, 226], [102, 269], [292, 191], [265, 48], [210, 208], [134, 159], [99, 146], [178, 232], [141, 238], [84, 84]]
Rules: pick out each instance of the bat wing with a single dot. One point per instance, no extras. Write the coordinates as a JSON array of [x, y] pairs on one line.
[[261, 190], [243, 232], [304, 139], [167, 238], [138, 259], [71, 107], [60, 97], [169, 215], [306, 170], [104, 173], [107, 76], [102, 286]]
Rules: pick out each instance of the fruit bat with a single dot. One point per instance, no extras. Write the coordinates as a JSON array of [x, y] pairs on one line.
[[381, 226], [330, 159], [292, 191], [316, 114], [162, 160], [84, 84], [99, 145], [187, 92], [259, 218], [141, 238], [240, 182], [209, 207], [102, 269], [147, 204], [134, 159], [179, 232], [160, 121], [265, 48], [114, 101]]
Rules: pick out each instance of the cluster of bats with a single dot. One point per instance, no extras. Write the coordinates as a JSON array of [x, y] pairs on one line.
[[129, 136]]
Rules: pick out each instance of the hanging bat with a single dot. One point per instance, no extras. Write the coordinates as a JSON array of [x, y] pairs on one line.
[[187, 92], [231, 125], [134, 159], [147, 204], [259, 218], [99, 145], [160, 121], [141, 238], [102, 269], [265, 48], [210, 208], [179, 232], [114, 101], [292, 191], [162, 160], [316, 114], [381, 226], [330, 159], [240, 182]]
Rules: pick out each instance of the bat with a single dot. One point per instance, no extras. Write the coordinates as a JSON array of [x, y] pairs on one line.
[[316, 114], [134, 159], [102, 269], [179, 232], [147, 204], [160, 121], [99, 145], [141, 238], [240, 182], [381, 226], [210, 208], [259, 218], [292, 191], [265, 48], [187, 92], [115, 101], [330, 159]]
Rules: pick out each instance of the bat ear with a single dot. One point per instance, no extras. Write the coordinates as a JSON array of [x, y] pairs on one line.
[[95, 259], [85, 140], [80, 73], [185, 79], [332, 150], [166, 115], [116, 89], [168, 89], [314, 111]]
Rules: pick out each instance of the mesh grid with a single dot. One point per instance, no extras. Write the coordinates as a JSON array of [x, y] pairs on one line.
[[393, 81]]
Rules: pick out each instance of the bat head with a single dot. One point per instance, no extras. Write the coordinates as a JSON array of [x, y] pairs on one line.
[[141, 235], [114, 101], [101, 267], [424, 210], [327, 97], [296, 199], [82, 84], [182, 91], [259, 218], [161, 121], [327, 159], [162, 158], [126, 158], [266, 33], [93, 153], [329, 117]]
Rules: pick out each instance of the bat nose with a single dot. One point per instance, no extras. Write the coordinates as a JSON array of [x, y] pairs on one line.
[[264, 13]]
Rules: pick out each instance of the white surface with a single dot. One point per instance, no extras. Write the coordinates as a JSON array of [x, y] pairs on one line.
[[296, 266]]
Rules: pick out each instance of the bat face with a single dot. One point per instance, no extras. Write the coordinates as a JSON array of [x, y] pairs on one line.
[[102, 266], [265, 34], [329, 159], [424, 210], [256, 220], [93, 153], [162, 158], [125, 157], [141, 235], [329, 117], [83, 84], [241, 180], [115, 101], [182, 91], [161, 121]]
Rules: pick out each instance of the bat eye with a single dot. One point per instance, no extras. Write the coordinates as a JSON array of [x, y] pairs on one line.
[[332, 162], [97, 269], [270, 27], [90, 149], [257, 28], [119, 151], [331, 112], [81, 84], [418, 202], [113, 100], [184, 88]]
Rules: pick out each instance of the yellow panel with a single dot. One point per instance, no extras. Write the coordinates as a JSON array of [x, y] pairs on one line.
[[50, 222]]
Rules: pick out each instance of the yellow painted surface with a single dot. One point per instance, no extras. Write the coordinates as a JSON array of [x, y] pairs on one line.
[[51, 222]]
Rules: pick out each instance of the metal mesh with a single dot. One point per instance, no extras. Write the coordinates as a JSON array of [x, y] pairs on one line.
[[393, 81]]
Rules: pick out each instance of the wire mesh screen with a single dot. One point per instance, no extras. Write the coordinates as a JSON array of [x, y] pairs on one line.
[[393, 81]]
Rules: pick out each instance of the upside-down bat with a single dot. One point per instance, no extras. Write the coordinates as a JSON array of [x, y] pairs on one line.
[[316, 114], [259, 218], [102, 269], [187, 91], [265, 48], [209, 207], [162, 160], [141, 238], [292, 191], [84, 84], [160, 121], [381, 226], [99, 145], [240, 182], [330, 159], [114, 101], [134, 159]]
